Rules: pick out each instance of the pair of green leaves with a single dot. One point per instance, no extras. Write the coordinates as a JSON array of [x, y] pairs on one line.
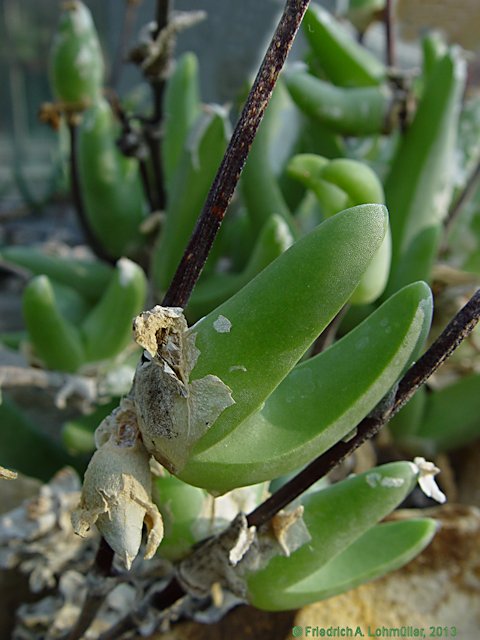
[[284, 413], [66, 330]]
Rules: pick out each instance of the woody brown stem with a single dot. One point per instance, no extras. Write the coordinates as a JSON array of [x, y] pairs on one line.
[[228, 174], [456, 331]]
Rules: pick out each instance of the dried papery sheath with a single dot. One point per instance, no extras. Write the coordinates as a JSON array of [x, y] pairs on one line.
[[229, 557], [6, 474], [216, 561], [289, 530], [173, 413], [117, 489]]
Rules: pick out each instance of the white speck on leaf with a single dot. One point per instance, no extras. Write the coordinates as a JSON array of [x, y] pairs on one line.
[[376, 480], [222, 324], [373, 479], [392, 482]]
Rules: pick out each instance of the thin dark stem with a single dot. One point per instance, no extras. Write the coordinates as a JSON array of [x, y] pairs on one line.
[[153, 139], [466, 194], [77, 198], [126, 132], [162, 14], [147, 189], [104, 558], [96, 593], [231, 167], [152, 130], [456, 331], [390, 34]]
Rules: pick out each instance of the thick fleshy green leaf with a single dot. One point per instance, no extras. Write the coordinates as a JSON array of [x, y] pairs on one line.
[[345, 61], [420, 181], [200, 159], [76, 64], [321, 400], [382, 549], [111, 185], [352, 111], [335, 517], [274, 239], [343, 182], [181, 108], [88, 277], [253, 339], [71, 304], [55, 339], [180, 505], [24, 448], [450, 417], [259, 183], [108, 327]]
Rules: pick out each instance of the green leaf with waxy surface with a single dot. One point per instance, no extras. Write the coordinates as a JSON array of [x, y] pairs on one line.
[[260, 188], [382, 549], [111, 186], [442, 425], [180, 505], [274, 239], [23, 445], [108, 327], [76, 60], [181, 108], [56, 340], [345, 61], [321, 400], [200, 160], [253, 339], [71, 304], [420, 181], [88, 277], [353, 111], [341, 183], [335, 518]]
